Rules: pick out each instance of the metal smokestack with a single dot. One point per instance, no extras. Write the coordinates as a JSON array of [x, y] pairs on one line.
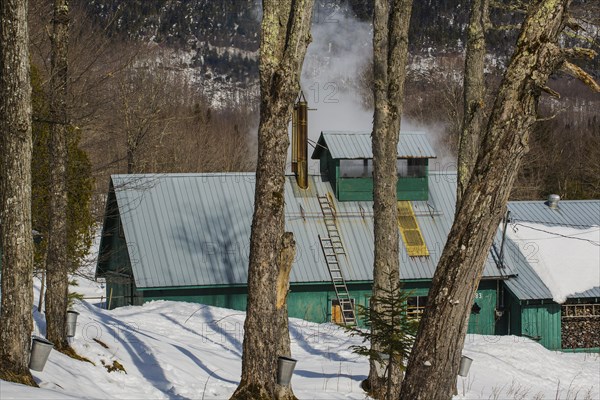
[[300, 141]]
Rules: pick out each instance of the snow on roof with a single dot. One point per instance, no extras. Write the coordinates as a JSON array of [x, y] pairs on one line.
[[566, 259]]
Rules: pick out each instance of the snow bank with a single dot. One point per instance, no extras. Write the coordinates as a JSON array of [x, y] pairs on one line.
[[176, 350], [566, 259]]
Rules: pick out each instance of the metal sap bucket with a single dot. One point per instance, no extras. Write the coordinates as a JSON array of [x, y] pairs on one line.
[[285, 370], [40, 350], [380, 367], [71, 323], [465, 365]]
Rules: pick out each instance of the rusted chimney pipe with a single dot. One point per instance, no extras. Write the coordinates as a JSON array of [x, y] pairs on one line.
[[300, 141]]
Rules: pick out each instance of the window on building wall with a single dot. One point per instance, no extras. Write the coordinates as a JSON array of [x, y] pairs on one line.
[[402, 167], [362, 168], [416, 306], [336, 311], [416, 167]]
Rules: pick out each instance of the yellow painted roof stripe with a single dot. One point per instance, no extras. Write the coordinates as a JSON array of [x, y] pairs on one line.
[[410, 231]]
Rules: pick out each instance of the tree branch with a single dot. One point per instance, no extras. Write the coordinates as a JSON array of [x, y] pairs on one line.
[[579, 53], [580, 74], [518, 6], [506, 27], [550, 91]]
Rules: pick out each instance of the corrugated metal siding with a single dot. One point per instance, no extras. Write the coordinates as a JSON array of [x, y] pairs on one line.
[[194, 229], [577, 213], [357, 145]]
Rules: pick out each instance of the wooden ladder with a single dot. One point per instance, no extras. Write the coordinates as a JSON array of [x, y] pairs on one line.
[[333, 248]]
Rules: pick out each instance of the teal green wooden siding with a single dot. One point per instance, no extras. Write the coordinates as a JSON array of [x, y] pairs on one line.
[[484, 323], [234, 298], [308, 302], [537, 320], [116, 260], [361, 189], [513, 307], [542, 322], [332, 171], [121, 292]]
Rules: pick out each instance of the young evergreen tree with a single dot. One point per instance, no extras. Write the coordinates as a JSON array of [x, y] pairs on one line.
[[389, 324]]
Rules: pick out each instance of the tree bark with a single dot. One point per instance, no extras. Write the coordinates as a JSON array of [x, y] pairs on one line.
[[16, 320], [474, 96], [285, 37], [434, 361], [57, 279], [286, 259], [390, 49]]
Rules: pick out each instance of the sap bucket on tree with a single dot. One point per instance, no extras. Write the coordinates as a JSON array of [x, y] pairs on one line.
[[40, 350], [465, 365], [71, 323], [285, 370], [381, 366]]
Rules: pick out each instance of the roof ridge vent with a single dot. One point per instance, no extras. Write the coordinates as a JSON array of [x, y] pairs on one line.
[[553, 200]]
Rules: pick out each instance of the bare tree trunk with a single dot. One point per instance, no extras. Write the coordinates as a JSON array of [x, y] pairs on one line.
[[285, 38], [286, 259], [474, 96], [16, 321], [57, 279], [434, 361], [130, 160], [390, 49]]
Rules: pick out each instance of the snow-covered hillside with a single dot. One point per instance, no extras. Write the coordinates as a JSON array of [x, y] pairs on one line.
[[190, 351], [174, 350]]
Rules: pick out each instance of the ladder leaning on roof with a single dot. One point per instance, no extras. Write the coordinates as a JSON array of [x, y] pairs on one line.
[[333, 247]]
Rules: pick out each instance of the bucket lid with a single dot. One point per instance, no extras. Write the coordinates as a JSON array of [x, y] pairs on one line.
[[72, 312], [286, 358], [41, 339]]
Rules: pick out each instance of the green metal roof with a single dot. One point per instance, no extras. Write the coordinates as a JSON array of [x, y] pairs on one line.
[[357, 145], [194, 229]]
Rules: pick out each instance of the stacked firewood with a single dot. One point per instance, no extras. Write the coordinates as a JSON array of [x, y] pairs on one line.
[[580, 328]]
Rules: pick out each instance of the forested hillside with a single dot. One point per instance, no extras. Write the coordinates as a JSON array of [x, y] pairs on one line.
[[165, 85]]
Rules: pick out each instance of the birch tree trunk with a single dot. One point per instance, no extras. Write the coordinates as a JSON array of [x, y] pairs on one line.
[[474, 96], [285, 37], [434, 361], [390, 49], [16, 320], [57, 279]]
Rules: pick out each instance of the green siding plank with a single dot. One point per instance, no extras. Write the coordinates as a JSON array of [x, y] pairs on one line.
[[484, 323], [308, 302], [361, 189], [542, 323]]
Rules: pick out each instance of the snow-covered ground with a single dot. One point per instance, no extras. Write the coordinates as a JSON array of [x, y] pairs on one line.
[[190, 351], [173, 350]]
